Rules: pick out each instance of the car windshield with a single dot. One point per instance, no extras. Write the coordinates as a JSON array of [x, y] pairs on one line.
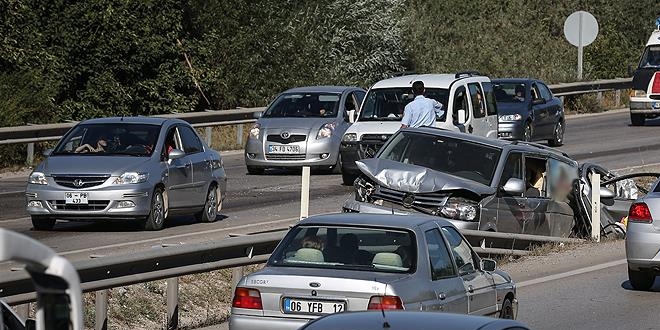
[[388, 103], [351, 248], [109, 139], [465, 159], [650, 58], [509, 92], [304, 105]]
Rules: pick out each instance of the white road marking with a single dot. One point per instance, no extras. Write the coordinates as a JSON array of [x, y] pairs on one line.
[[7, 193], [571, 273]]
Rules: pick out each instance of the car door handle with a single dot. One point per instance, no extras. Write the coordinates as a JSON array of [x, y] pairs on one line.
[[470, 289], [442, 296]]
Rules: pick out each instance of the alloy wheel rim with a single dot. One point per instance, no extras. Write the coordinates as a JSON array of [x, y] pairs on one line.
[[559, 132], [528, 133], [211, 204], [158, 209]]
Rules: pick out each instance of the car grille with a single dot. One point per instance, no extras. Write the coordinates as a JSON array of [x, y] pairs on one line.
[[80, 181], [285, 157], [370, 144], [291, 139], [92, 205], [426, 202]]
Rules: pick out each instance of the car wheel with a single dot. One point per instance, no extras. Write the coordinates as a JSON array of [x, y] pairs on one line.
[[641, 279], [43, 223], [210, 211], [558, 135], [527, 133], [255, 170], [156, 216], [637, 119], [507, 309], [348, 178]]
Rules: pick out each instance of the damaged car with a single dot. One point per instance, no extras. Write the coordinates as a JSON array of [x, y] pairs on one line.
[[478, 183]]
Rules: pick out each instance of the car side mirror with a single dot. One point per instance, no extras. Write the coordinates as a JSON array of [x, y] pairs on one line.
[[30, 324], [175, 154], [47, 152], [538, 101], [461, 114], [350, 116], [488, 265], [257, 114], [606, 193], [514, 186]]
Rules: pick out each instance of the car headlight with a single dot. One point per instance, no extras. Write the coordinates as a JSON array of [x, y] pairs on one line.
[[37, 178], [254, 131], [510, 117], [638, 93], [131, 178], [326, 131], [349, 137], [363, 190], [460, 209]]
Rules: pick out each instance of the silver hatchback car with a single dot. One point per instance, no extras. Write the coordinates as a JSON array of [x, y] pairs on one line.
[[354, 262], [138, 168], [302, 127], [643, 240]]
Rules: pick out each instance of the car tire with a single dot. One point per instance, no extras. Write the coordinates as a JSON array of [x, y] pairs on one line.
[[637, 119], [42, 223], [527, 133], [348, 178], [507, 309], [336, 169], [641, 280], [210, 211], [557, 135], [252, 170], [156, 217]]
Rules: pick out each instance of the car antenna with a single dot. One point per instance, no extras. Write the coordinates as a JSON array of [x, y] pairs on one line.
[[386, 325]]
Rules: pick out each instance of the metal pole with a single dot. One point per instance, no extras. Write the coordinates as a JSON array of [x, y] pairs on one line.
[[101, 310], [580, 48], [30, 154], [209, 135], [617, 98], [595, 206], [304, 193], [172, 303], [239, 134]]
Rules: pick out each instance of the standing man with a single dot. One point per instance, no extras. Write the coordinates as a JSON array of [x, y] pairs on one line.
[[421, 111]]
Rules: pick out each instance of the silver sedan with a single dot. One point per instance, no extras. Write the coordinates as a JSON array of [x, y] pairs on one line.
[[643, 240], [139, 168], [355, 262]]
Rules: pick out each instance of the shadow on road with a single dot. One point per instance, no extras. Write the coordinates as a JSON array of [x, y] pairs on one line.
[[627, 286], [123, 226], [649, 122]]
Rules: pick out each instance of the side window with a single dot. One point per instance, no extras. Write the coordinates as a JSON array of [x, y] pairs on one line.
[[170, 143], [477, 99], [535, 177], [190, 140], [460, 102], [491, 105], [9, 321], [441, 265], [560, 179], [349, 104], [545, 92], [461, 251], [359, 96], [535, 92], [512, 169]]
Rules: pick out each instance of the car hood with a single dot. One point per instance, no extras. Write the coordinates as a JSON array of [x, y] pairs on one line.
[[512, 108], [70, 164], [417, 179], [294, 122]]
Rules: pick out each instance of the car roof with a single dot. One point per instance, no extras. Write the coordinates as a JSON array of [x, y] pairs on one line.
[[384, 220], [431, 80], [131, 120], [320, 89], [654, 39], [400, 320], [514, 80]]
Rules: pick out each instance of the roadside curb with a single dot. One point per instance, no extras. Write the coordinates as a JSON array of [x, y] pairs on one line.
[[596, 114], [231, 152]]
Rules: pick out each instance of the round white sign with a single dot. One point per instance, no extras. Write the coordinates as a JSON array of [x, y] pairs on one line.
[[581, 28]]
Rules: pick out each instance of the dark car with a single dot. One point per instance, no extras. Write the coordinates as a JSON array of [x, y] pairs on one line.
[[407, 320], [528, 111]]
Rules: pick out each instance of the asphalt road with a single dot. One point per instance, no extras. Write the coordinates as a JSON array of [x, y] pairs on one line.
[[258, 203]]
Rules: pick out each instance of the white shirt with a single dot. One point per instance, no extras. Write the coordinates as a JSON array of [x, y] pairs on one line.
[[421, 111]]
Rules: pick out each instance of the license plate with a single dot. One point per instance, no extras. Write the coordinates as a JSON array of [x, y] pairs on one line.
[[279, 149], [304, 306], [76, 197]]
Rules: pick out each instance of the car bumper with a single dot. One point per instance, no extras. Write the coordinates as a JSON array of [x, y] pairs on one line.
[[109, 202], [353, 206], [642, 246], [644, 106], [249, 322], [317, 153], [510, 130]]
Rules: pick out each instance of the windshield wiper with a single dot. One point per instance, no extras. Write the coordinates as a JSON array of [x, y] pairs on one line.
[[125, 153]]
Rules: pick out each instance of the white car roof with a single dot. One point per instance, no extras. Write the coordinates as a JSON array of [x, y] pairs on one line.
[[654, 39], [430, 80]]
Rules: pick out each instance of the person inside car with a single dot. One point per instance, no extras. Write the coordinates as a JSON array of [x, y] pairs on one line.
[[520, 93], [101, 143]]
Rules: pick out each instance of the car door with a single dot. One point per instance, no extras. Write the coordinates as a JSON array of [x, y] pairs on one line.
[[542, 120], [553, 107], [491, 109], [460, 102], [201, 166], [559, 214], [179, 171], [449, 293], [479, 124], [511, 209], [479, 285]]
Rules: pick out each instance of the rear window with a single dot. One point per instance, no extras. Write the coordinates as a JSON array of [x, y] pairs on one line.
[[351, 248]]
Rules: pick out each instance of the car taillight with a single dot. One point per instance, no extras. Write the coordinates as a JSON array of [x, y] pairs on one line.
[[385, 302], [655, 89], [639, 212], [247, 298]]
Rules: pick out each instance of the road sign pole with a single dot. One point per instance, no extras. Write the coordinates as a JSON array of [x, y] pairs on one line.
[[579, 70], [580, 46]]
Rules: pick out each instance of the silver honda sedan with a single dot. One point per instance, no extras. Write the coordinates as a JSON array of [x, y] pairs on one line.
[[137, 168], [302, 127], [354, 262], [643, 240]]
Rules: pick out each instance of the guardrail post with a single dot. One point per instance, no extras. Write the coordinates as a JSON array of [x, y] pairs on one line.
[[595, 206], [209, 135], [599, 97], [30, 154], [304, 193], [23, 310], [239, 134], [172, 303], [562, 99], [617, 98], [101, 310]]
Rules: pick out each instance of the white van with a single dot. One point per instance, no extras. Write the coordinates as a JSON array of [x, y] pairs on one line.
[[382, 109], [645, 94]]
